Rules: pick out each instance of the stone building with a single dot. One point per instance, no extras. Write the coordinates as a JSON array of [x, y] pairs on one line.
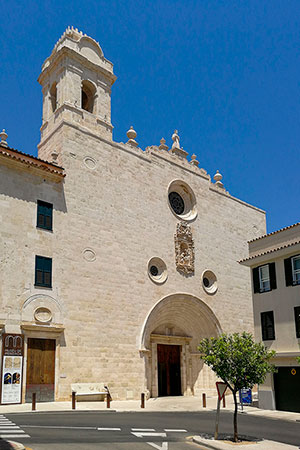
[[275, 264], [115, 261]]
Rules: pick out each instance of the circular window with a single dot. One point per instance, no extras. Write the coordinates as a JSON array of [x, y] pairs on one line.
[[157, 270], [182, 200], [176, 202], [209, 282]]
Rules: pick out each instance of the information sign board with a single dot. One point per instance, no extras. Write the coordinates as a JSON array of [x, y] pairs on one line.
[[12, 368], [245, 396]]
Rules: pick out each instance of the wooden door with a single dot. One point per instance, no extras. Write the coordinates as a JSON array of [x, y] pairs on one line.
[[169, 380], [287, 391], [40, 373]]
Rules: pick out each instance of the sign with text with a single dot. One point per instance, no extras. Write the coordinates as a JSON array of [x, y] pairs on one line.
[[245, 396], [12, 368]]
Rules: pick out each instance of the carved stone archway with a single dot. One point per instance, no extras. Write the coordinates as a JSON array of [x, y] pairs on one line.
[[178, 319]]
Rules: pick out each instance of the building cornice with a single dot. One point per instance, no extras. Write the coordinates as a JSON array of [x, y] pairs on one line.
[[15, 157], [264, 255]]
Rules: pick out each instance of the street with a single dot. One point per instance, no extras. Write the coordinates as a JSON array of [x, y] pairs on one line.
[[134, 430]]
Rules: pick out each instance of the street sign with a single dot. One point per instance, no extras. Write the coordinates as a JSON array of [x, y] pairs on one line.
[[245, 396], [221, 388]]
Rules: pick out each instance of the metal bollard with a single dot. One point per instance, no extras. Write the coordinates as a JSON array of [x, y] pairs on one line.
[[73, 400], [33, 401], [108, 400], [204, 400], [224, 402], [142, 400]]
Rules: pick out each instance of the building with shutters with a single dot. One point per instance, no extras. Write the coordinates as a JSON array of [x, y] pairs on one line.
[[275, 263], [115, 260]]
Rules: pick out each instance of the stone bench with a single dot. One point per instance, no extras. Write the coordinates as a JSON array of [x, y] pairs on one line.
[[84, 391]]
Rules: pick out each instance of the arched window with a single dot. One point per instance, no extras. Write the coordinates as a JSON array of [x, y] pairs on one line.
[[87, 96], [53, 96]]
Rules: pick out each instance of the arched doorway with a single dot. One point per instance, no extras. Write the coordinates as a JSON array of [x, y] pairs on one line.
[[169, 340]]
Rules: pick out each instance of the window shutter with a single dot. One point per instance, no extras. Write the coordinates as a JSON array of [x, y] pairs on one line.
[[256, 280], [297, 320], [272, 273], [288, 272]]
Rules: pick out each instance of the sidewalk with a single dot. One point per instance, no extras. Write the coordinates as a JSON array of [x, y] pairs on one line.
[[153, 404]]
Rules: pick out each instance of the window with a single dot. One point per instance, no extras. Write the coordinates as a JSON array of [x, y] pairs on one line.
[[292, 270], [264, 278], [297, 320], [88, 92], [44, 215], [43, 271], [267, 326], [53, 97]]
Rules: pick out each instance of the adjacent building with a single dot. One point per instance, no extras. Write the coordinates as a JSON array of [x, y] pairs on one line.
[[275, 263], [115, 260]]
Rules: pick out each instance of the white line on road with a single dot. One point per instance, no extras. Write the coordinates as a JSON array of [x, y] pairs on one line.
[[163, 446], [3, 427], [14, 431], [4, 436], [109, 429], [142, 429], [60, 427], [170, 430], [149, 434]]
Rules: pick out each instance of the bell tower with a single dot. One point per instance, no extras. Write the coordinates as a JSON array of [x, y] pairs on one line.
[[76, 83]]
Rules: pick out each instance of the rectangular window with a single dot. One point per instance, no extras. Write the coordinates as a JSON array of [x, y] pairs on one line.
[[43, 271], [297, 320], [296, 269], [44, 215], [264, 278], [267, 326]]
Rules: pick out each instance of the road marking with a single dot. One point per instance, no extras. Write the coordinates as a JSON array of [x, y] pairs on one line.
[[14, 431], [5, 436], [164, 445], [59, 427], [10, 427], [170, 430], [140, 435], [109, 429], [142, 429]]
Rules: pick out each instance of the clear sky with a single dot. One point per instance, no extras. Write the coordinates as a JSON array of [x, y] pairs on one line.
[[224, 73]]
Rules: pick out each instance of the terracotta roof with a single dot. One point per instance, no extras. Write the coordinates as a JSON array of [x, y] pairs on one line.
[[30, 160], [270, 251], [274, 232]]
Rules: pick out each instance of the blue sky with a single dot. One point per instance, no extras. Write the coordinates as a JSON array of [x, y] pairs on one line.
[[224, 73]]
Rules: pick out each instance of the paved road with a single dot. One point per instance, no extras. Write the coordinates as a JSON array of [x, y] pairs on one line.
[[135, 431]]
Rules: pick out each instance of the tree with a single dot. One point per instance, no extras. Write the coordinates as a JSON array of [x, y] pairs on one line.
[[298, 359], [238, 361]]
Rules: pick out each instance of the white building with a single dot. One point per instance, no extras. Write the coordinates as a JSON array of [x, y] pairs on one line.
[[275, 262], [116, 261]]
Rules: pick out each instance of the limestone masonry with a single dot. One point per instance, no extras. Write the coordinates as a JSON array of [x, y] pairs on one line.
[[115, 261]]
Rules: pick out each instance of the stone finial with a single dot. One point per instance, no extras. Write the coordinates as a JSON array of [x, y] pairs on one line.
[[175, 139], [3, 136], [131, 134], [54, 155], [194, 160], [218, 177], [163, 145], [175, 149]]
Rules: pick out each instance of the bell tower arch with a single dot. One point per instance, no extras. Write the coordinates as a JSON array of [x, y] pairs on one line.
[[76, 83]]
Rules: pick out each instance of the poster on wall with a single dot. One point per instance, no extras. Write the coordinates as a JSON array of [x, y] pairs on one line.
[[12, 367]]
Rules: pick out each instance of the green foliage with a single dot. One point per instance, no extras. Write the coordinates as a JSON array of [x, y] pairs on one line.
[[298, 359], [237, 359]]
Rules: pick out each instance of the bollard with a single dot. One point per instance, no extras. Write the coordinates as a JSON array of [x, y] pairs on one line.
[[204, 400], [142, 400], [224, 402], [73, 400], [108, 400], [33, 401]]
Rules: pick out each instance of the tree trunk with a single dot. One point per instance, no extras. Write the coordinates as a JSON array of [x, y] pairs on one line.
[[235, 432]]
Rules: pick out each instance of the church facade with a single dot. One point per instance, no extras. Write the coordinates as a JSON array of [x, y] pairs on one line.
[[116, 261]]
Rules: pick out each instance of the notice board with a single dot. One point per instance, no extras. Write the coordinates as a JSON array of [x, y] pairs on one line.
[[12, 368]]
